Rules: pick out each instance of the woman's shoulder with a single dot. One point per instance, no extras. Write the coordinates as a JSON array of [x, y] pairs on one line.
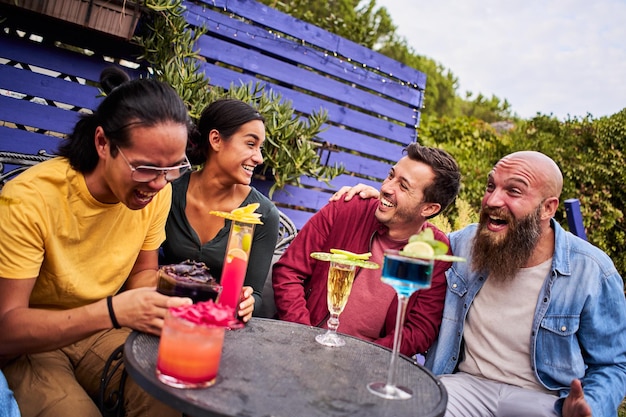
[[266, 206]]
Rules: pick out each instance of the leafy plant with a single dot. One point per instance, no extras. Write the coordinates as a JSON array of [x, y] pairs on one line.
[[290, 150], [589, 153]]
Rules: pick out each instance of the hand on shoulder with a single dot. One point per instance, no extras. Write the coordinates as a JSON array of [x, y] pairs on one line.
[[362, 190]]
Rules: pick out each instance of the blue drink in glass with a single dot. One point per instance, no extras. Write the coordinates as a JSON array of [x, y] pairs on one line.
[[406, 275]]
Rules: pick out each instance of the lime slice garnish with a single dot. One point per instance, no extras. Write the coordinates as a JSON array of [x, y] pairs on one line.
[[419, 249], [352, 255], [424, 245], [336, 257]]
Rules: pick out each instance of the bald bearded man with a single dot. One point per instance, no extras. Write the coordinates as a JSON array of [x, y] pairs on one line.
[[534, 322]]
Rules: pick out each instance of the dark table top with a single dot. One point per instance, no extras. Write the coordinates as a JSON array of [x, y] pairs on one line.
[[275, 368]]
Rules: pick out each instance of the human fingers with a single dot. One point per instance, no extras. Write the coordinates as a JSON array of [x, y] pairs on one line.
[[346, 191], [575, 404], [362, 190], [144, 309], [246, 304]]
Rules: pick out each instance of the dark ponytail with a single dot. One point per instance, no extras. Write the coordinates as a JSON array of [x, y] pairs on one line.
[[129, 103]]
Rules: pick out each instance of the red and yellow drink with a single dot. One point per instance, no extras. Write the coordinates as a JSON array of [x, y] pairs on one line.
[[235, 263], [191, 344], [237, 252]]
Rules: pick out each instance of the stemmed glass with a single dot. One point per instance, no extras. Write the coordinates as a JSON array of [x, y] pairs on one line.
[[340, 279], [406, 275]]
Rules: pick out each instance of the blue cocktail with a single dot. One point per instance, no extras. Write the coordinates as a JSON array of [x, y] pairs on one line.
[[406, 275]]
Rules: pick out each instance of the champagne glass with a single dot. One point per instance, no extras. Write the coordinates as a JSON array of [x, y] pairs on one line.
[[340, 279], [406, 275]]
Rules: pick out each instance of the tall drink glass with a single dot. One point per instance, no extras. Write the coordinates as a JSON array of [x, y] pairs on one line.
[[189, 352], [406, 275], [340, 279], [235, 265]]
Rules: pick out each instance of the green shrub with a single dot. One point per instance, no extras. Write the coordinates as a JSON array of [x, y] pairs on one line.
[[588, 151]]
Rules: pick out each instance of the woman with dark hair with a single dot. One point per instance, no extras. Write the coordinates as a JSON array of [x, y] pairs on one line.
[[77, 229], [228, 146]]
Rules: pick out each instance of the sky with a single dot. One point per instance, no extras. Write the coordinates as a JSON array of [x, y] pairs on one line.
[[565, 58]]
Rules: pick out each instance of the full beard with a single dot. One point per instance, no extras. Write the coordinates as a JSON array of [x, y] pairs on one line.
[[503, 257]]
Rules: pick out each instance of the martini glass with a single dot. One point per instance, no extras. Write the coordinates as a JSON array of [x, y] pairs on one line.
[[340, 279], [406, 275]]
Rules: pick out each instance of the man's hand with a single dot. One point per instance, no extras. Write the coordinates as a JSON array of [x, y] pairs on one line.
[[575, 404], [364, 191], [144, 309]]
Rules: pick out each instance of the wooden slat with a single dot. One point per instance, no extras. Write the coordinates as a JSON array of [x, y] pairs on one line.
[[56, 59], [575, 218], [56, 89], [36, 115], [17, 140], [366, 144]]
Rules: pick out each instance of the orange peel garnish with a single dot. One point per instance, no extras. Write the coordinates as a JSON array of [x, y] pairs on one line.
[[241, 214]]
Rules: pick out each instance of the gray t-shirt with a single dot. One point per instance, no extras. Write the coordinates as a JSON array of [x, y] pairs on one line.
[[498, 326]]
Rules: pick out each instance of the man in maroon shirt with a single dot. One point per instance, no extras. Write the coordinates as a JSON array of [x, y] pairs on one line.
[[419, 186]]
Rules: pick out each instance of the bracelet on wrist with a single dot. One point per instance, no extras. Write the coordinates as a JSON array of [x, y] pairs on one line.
[[112, 313]]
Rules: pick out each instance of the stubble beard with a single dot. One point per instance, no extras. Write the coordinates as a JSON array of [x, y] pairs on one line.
[[503, 257]]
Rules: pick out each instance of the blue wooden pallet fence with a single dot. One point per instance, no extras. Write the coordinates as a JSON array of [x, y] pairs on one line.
[[372, 101]]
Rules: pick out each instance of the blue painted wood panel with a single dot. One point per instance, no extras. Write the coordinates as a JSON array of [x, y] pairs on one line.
[[51, 88], [231, 29], [40, 116], [55, 59], [294, 76], [270, 18], [338, 114], [372, 101], [17, 140]]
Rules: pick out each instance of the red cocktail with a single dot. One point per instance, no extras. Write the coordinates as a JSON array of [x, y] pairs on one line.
[[191, 345], [235, 264]]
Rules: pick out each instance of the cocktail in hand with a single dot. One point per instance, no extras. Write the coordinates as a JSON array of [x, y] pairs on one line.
[[238, 248], [191, 343], [407, 271], [341, 274]]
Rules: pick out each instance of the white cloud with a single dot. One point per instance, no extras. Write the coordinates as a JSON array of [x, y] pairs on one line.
[[563, 57]]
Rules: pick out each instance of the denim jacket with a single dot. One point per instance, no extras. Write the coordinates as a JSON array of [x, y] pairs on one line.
[[579, 327]]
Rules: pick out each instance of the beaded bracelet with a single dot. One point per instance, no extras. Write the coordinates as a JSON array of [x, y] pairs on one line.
[[112, 313]]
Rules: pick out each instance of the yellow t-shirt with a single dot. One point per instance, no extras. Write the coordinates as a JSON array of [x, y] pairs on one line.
[[79, 249]]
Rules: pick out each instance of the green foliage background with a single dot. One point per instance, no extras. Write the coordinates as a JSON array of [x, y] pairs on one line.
[[588, 151]]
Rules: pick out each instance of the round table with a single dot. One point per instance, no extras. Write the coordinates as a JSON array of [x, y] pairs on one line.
[[275, 368]]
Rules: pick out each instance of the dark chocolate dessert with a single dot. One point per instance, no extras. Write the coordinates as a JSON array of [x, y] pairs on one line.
[[188, 279]]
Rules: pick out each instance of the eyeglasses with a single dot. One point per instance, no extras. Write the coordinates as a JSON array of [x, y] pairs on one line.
[[144, 173]]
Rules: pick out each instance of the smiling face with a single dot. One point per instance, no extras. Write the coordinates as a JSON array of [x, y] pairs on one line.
[[520, 199], [240, 154], [401, 207], [161, 146]]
